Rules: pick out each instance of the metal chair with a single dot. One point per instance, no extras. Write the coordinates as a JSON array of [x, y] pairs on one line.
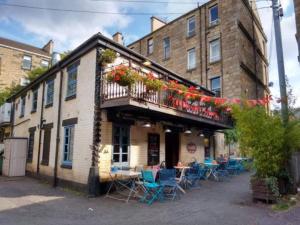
[[153, 189], [167, 178]]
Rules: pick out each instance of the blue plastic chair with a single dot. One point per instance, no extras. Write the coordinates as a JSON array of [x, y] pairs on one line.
[[167, 178], [153, 190], [195, 174]]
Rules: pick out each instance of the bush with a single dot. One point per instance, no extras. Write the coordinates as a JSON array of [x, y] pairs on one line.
[[107, 56]]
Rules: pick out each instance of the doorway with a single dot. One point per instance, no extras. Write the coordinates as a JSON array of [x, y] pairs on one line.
[[172, 149]]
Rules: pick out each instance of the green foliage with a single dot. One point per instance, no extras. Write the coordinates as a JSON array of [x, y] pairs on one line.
[[35, 73], [231, 136], [292, 136], [64, 54], [9, 91], [152, 83], [107, 56], [261, 136]]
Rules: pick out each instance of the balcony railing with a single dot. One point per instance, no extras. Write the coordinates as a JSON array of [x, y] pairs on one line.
[[163, 98]]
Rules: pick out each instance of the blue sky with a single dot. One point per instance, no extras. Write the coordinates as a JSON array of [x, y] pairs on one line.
[[68, 29]]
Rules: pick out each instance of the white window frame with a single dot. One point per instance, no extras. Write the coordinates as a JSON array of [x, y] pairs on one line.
[[167, 48], [72, 72], [214, 89], [150, 46], [212, 44], [44, 63], [48, 102], [216, 21], [189, 66], [189, 32], [120, 153], [27, 59]]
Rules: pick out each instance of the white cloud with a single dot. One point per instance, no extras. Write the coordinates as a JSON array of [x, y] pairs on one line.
[[67, 29]]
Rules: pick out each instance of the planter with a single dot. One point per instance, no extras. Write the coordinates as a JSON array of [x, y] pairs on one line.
[[261, 190]]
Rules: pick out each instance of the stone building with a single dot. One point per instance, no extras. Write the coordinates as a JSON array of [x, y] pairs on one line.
[[220, 45], [297, 16], [72, 107], [16, 59]]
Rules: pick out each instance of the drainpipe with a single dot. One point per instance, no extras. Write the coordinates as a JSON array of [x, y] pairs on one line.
[[58, 128], [200, 37], [94, 179], [206, 55], [12, 117], [40, 132]]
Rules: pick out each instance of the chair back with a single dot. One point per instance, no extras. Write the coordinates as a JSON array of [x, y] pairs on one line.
[[148, 176], [167, 174]]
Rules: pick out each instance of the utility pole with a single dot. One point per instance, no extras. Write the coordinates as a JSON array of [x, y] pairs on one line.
[[277, 13]]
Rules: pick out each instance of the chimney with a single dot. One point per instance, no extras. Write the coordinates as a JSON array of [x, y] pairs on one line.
[[49, 47], [118, 37], [156, 23]]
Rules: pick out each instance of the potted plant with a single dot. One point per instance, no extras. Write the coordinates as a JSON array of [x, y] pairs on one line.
[[123, 75], [152, 83], [192, 95], [107, 56]]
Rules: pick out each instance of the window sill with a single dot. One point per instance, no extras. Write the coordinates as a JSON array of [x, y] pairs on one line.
[[190, 36], [191, 70], [45, 163], [213, 24], [66, 166], [70, 97], [28, 69], [33, 111], [21, 116], [49, 105], [214, 62], [166, 59]]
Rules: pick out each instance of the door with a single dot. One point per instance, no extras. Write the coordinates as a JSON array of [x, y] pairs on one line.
[[121, 145], [46, 147], [172, 149], [6, 159], [153, 149]]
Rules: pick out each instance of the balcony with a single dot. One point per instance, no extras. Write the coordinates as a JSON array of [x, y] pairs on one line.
[[164, 104], [5, 111]]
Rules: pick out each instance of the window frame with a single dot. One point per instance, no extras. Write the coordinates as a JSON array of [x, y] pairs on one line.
[[166, 48], [35, 96], [68, 161], [190, 33], [121, 145], [44, 66], [150, 47], [188, 59], [72, 71], [216, 21], [23, 106], [23, 62], [49, 102], [29, 155], [213, 59], [217, 91]]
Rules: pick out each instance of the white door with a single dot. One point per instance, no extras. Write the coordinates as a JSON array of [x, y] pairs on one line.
[[7, 153]]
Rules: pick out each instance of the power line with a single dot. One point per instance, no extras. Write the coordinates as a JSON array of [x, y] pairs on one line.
[[90, 11], [150, 2]]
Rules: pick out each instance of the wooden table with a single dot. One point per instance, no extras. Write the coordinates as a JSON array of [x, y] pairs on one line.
[[180, 179], [123, 180]]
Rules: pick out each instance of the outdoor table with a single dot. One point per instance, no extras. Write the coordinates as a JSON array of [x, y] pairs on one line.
[[123, 180], [212, 170], [180, 179]]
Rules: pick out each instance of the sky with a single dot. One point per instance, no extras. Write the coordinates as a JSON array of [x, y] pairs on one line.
[[69, 29]]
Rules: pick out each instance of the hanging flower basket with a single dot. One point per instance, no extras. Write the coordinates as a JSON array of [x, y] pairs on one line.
[[107, 56], [123, 75], [192, 94], [177, 90], [152, 83]]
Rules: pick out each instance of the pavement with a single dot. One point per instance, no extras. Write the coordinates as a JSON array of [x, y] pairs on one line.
[[31, 202]]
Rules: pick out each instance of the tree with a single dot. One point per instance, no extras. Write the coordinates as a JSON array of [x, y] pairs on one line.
[[33, 74]]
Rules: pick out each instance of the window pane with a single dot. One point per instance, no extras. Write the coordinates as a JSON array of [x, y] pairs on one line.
[[215, 50], [45, 63], [72, 82], [150, 46], [124, 149], [116, 157], [124, 158], [166, 44], [116, 149], [26, 62], [216, 86], [191, 59], [214, 14], [191, 25]]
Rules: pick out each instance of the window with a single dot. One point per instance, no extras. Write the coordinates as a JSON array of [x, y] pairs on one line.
[[50, 92], [214, 47], [44, 63], [120, 145], [68, 144], [26, 62], [166, 43], [23, 102], [216, 86], [34, 100], [72, 80], [46, 143], [191, 59], [191, 26], [30, 144], [150, 46], [213, 15]]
